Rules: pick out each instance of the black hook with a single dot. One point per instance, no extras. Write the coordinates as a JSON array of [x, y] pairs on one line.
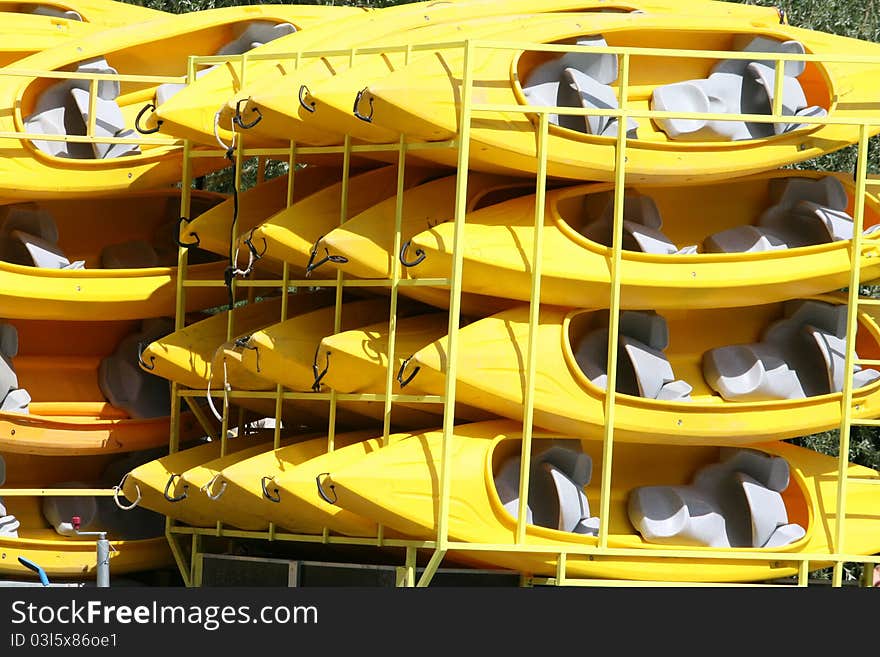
[[309, 107], [152, 364], [137, 121], [253, 250], [420, 255], [272, 498], [168, 485], [237, 118], [357, 101], [321, 492], [783, 17], [403, 382], [185, 245], [312, 265], [243, 342], [316, 386]]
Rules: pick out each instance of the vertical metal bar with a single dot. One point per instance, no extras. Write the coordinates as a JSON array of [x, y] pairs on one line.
[[534, 315], [803, 573], [614, 305], [778, 79], [461, 181], [177, 552], [93, 102], [561, 563], [395, 279], [851, 330]]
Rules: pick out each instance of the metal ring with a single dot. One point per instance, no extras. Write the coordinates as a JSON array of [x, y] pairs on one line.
[[403, 382], [168, 485], [152, 364], [323, 494], [420, 255], [184, 245], [207, 488], [118, 488], [137, 120], [368, 118], [237, 118], [277, 497], [309, 107]]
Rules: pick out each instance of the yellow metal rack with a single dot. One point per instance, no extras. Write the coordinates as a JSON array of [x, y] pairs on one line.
[[190, 568], [187, 542]]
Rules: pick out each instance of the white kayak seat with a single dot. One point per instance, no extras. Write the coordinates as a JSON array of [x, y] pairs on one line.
[[675, 391], [646, 326], [601, 67], [573, 506], [829, 317], [649, 368], [833, 352], [109, 122], [813, 111], [637, 207], [821, 222], [575, 464], [771, 471], [56, 12], [32, 219], [793, 98], [133, 254], [632, 128], [751, 372], [107, 89], [254, 34], [646, 240], [9, 526], [676, 515], [55, 113], [721, 93], [766, 509], [543, 95], [591, 356], [17, 401], [863, 377], [8, 379], [128, 386], [744, 239], [785, 535], [577, 89], [685, 97], [747, 43], [827, 191], [40, 252]]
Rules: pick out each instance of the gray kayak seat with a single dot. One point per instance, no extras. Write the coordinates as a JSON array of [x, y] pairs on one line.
[[807, 212], [735, 87], [30, 218], [34, 251], [63, 108], [641, 227], [556, 497], [736, 502], [579, 79], [133, 254], [128, 386], [643, 370], [12, 398], [249, 36], [801, 355], [56, 12]]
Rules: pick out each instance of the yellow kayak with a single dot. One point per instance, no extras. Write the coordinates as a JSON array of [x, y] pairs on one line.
[[782, 234], [209, 230], [366, 241], [46, 106], [31, 33], [294, 234], [710, 376], [66, 556], [193, 115], [423, 101], [289, 353], [100, 13], [113, 256], [397, 486], [303, 510], [59, 365], [357, 360], [172, 484], [249, 494]]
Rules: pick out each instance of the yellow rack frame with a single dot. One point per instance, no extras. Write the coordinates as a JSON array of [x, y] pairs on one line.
[[189, 559]]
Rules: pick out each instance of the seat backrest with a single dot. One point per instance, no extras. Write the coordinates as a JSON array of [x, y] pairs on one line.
[[745, 239], [762, 98], [676, 515], [751, 372], [600, 67], [827, 191], [749, 43], [8, 340], [833, 356], [577, 89], [766, 509], [570, 500], [650, 368], [645, 326], [254, 34], [41, 253], [32, 219], [57, 12]]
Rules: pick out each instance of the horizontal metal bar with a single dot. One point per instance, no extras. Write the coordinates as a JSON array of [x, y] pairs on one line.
[[867, 361], [865, 422], [322, 282], [869, 302], [11, 71], [312, 396], [82, 139], [302, 538], [57, 492]]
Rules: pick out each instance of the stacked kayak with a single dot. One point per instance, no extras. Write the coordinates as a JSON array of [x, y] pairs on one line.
[[305, 311]]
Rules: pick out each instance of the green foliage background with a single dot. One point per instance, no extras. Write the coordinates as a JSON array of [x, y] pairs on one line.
[[859, 19]]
